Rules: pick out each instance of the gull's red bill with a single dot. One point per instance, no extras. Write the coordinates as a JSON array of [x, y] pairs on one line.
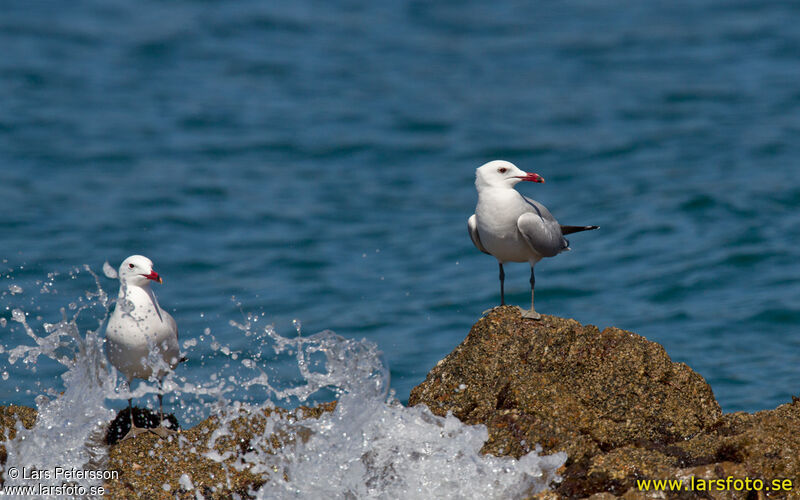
[[531, 177], [153, 276]]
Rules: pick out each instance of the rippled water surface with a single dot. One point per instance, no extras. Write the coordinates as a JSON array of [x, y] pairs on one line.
[[315, 161]]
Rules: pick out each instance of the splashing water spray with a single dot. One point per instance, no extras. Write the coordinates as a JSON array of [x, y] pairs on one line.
[[369, 446]]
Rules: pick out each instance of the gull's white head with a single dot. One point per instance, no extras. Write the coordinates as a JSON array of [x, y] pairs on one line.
[[502, 174], [137, 270]]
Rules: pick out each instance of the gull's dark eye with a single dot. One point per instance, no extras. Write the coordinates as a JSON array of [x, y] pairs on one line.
[[130, 265], [502, 170]]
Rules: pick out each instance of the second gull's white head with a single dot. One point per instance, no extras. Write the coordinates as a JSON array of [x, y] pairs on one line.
[[502, 174]]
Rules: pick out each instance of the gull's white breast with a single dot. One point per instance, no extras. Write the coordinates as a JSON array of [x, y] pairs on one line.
[[497, 212], [136, 324]]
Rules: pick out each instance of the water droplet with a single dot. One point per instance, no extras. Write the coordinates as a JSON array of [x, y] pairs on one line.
[[14, 289], [5, 375], [297, 326], [109, 271], [186, 482], [18, 316]]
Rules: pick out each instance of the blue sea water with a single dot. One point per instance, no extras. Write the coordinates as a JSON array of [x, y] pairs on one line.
[[314, 161]]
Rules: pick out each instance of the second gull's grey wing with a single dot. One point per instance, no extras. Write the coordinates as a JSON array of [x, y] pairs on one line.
[[543, 235]]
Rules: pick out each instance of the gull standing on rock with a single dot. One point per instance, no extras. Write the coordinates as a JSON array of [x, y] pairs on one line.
[[511, 227], [137, 326]]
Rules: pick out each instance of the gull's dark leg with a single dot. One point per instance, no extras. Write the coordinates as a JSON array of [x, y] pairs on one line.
[[502, 291], [133, 431], [161, 430], [130, 411], [531, 314]]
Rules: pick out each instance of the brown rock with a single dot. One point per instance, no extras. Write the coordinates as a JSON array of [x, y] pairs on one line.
[[566, 386], [161, 463], [151, 467], [612, 400]]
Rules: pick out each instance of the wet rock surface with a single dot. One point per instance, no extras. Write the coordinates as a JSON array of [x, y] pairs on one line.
[[613, 401], [209, 459], [143, 418]]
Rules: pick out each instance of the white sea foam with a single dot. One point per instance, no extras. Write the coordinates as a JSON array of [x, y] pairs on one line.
[[370, 446]]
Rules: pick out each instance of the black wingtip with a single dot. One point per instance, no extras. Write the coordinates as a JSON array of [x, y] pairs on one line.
[[576, 229]]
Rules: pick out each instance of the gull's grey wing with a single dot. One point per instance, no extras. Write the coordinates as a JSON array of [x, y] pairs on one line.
[[472, 225], [172, 324], [539, 209], [541, 233]]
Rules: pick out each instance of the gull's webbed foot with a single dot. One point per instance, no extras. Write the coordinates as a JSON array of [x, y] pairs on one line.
[[135, 431], [530, 313], [484, 313], [162, 431]]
